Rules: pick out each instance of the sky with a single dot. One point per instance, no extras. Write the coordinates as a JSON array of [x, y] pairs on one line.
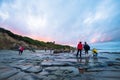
[[63, 21]]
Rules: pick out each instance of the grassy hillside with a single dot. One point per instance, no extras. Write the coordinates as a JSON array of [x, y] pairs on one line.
[[9, 40]]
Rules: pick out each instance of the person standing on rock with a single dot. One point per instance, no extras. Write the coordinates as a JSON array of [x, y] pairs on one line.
[[86, 48], [21, 48], [79, 48]]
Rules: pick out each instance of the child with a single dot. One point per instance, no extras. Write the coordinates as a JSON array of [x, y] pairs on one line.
[[21, 48], [94, 51]]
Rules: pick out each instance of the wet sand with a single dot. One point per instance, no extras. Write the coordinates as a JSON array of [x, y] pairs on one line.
[[43, 65]]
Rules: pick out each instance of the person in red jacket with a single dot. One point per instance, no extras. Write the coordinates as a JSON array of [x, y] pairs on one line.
[[79, 48]]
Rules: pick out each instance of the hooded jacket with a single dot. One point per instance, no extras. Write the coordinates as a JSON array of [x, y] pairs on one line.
[[80, 46]]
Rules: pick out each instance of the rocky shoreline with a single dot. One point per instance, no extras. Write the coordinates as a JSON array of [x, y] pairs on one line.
[[43, 65]]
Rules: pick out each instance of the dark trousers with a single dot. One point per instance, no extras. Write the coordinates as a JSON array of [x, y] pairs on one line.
[[79, 50], [86, 51], [20, 52]]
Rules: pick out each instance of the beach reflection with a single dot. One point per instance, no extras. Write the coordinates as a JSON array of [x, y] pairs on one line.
[[86, 61], [79, 60], [95, 60], [83, 64]]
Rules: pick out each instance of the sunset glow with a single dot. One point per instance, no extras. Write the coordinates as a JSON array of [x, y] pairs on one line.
[[62, 21]]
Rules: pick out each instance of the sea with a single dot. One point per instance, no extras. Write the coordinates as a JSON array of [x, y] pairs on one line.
[[106, 46]]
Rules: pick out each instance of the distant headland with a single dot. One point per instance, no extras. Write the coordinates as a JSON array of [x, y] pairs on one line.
[[9, 40]]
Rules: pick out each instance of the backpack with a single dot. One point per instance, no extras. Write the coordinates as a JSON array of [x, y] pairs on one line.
[[88, 47]]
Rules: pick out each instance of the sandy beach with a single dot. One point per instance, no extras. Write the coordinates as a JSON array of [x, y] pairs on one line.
[[41, 65]]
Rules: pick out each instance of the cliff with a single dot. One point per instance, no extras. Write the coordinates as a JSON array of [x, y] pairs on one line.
[[9, 40]]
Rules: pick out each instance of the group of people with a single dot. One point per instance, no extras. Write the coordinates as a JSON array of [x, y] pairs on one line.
[[80, 47], [86, 47]]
